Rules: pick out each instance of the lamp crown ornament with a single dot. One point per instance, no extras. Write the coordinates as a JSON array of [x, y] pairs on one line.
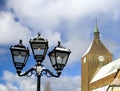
[[38, 37], [59, 44], [20, 42], [39, 34]]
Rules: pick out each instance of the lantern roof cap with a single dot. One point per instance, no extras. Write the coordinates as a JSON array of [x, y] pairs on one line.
[[61, 48], [20, 45]]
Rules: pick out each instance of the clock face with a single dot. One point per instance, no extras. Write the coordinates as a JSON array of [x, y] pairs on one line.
[[84, 60], [101, 58]]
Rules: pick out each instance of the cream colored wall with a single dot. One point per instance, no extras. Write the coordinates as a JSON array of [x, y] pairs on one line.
[[114, 89]]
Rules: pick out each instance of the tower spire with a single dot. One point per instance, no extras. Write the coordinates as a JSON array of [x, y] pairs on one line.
[[96, 31]]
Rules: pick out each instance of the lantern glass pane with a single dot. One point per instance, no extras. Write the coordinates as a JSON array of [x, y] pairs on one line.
[[52, 59], [61, 58], [19, 59], [19, 56], [39, 49]]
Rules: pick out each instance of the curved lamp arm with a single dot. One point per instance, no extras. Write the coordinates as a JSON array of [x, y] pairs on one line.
[[45, 71], [50, 74], [27, 73]]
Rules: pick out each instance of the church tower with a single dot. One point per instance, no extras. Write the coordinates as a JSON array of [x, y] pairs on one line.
[[95, 57]]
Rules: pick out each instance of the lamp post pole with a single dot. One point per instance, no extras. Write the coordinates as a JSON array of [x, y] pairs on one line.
[[38, 76], [39, 46], [38, 82]]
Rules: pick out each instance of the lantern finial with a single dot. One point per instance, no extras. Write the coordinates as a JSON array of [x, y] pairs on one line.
[[58, 42], [39, 34], [20, 42]]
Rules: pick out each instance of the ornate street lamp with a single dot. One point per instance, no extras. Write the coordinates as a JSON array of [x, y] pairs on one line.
[[58, 58], [20, 55], [39, 48]]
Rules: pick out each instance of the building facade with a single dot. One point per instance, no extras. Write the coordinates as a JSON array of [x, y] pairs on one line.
[[93, 60]]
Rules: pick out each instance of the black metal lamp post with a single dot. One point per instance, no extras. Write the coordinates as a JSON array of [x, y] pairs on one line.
[[58, 58]]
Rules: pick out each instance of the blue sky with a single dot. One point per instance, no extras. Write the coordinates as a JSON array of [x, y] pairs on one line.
[[70, 21]]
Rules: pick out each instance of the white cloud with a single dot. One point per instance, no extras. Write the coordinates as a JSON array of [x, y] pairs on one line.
[[48, 13], [10, 30], [53, 36], [15, 83], [66, 83], [50, 16], [77, 49], [18, 83], [3, 88]]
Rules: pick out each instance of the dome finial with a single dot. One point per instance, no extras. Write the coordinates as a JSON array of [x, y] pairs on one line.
[[96, 31], [96, 28], [96, 22]]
